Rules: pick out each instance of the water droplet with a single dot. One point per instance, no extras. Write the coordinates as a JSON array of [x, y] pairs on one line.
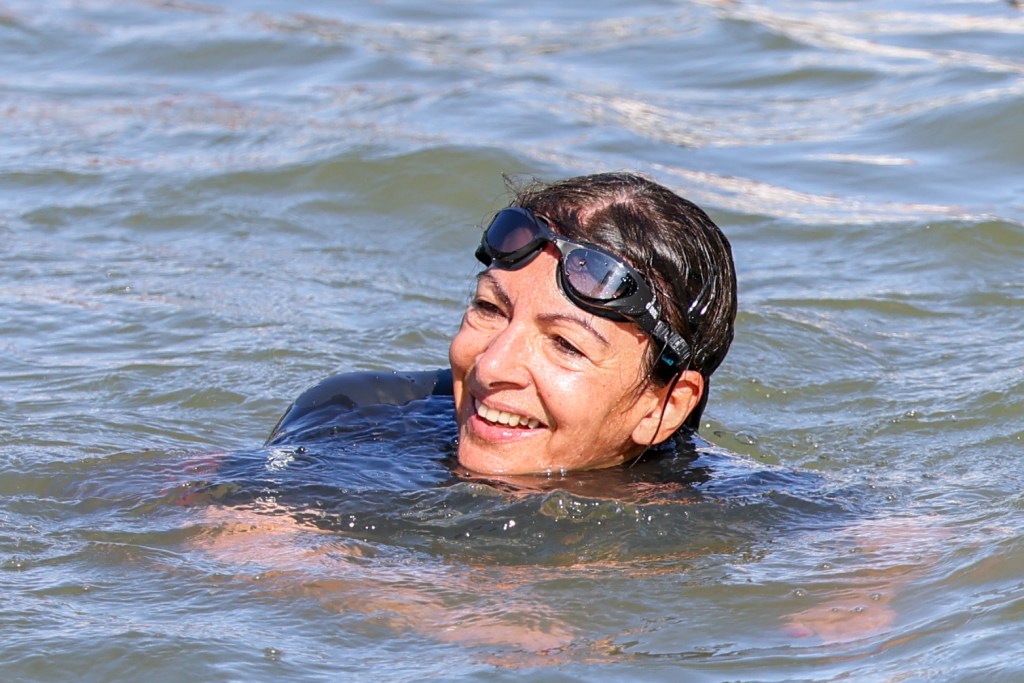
[[273, 654]]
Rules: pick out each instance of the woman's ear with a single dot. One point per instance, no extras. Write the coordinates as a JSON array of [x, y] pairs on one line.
[[668, 413]]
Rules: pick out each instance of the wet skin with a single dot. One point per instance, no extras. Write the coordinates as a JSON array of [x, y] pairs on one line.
[[560, 388]]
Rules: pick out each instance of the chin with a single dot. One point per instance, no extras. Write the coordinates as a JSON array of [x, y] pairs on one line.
[[488, 462]]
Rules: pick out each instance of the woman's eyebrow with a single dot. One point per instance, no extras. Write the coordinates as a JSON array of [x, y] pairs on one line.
[[578, 320], [499, 291]]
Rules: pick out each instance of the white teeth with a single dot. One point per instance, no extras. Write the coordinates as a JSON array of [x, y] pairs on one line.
[[505, 418]]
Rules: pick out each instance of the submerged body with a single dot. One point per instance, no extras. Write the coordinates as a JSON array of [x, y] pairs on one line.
[[373, 456], [562, 437], [359, 501]]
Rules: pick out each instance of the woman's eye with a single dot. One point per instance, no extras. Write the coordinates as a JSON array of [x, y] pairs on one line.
[[485, 307], [567, 347]]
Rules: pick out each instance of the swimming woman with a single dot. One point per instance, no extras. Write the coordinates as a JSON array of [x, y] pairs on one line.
[[606, 304]]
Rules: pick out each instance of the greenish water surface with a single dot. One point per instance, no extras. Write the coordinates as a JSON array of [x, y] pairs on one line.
[[206, 207]]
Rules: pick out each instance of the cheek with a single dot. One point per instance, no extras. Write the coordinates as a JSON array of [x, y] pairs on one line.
[[588, 398], [460, 360], [567, 387], [462, 349], [576, 400]]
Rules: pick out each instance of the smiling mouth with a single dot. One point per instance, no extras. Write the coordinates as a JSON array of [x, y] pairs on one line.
[[502, 417]]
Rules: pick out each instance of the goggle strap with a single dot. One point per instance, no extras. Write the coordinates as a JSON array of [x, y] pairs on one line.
[[676, 349]]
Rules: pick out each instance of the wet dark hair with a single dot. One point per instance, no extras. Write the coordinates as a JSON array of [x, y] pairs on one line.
[[670, 240]]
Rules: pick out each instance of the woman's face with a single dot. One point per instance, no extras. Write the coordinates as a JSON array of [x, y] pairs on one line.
[[541, 385]]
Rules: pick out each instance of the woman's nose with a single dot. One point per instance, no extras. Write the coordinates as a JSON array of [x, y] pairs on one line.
[[505, 362]]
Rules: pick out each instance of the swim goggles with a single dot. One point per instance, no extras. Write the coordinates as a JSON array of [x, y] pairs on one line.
[[590, 277]]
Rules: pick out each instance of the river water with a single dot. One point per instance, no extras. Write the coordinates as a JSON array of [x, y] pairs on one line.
[[207, 207]]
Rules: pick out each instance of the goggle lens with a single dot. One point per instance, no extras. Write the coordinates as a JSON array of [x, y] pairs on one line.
[[596, 276], [509, 233]]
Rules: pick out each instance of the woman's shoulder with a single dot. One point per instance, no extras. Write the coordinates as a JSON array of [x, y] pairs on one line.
[[351, 390]]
